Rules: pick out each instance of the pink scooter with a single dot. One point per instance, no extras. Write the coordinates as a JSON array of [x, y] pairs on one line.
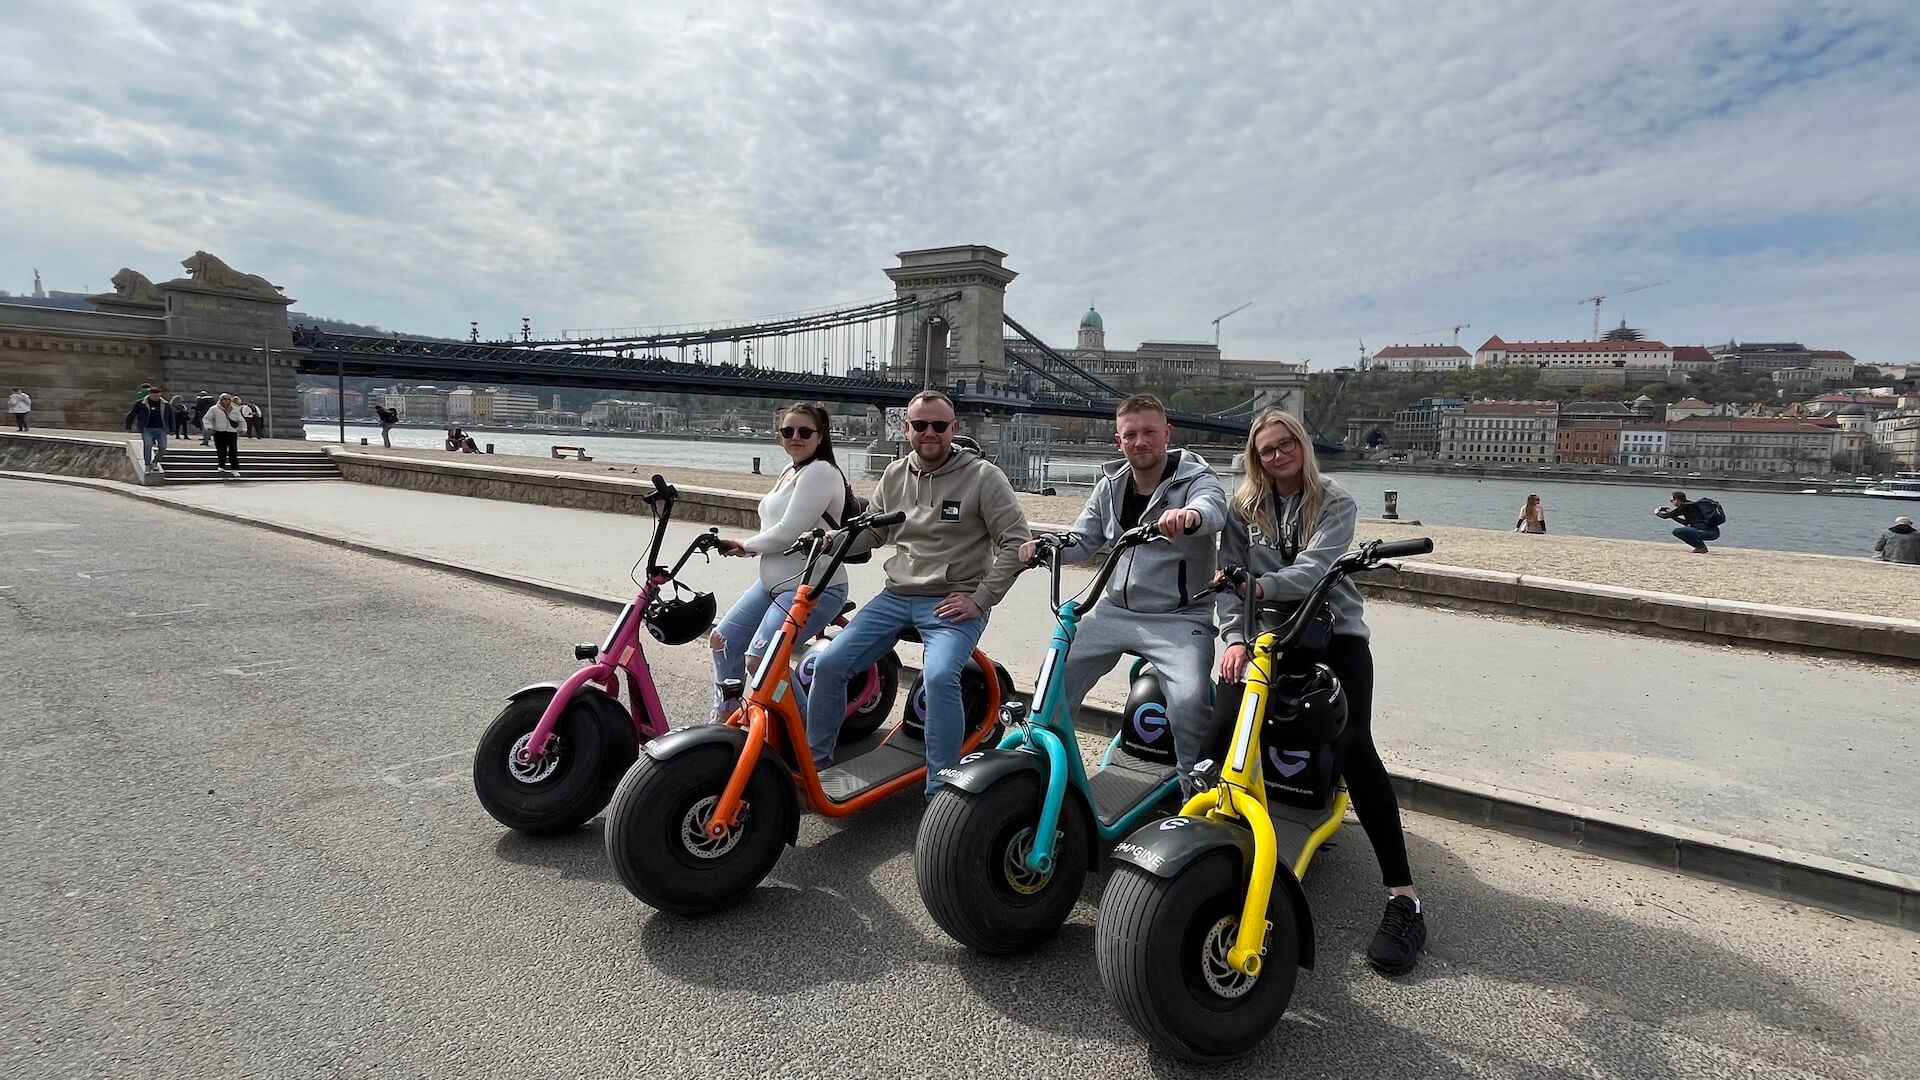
[[552, 758]]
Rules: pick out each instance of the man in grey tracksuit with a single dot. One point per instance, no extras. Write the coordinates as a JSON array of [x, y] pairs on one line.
[[1145, 610]]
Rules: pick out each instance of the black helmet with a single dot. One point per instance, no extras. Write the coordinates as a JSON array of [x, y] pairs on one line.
[[678, 620], [1306, 709]]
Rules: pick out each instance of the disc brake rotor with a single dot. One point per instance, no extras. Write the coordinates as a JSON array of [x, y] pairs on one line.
[[1221, 977], [693, 829], [540, 768]]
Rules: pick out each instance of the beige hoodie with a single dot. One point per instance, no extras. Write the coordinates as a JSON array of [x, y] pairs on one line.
[[963, 529]]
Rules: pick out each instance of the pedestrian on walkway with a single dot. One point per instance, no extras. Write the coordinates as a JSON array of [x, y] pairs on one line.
[[200, 406], [1900, 543], [180, 416], [1533, 517], [152, 417], [19, 404], [388, 418], [251, 413], [1700, 520], [225, 421]]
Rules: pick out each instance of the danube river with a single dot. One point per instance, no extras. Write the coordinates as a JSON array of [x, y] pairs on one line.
[[1832, 525]]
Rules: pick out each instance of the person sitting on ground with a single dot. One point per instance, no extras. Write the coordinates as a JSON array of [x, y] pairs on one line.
[[1695, 518], [1533, 517], [1900, 543], [468, 446]]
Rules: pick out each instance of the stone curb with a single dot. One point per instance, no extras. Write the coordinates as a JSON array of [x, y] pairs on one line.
[[1853, 889]]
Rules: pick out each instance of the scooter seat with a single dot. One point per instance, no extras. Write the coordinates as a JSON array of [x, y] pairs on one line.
[[911, 634]]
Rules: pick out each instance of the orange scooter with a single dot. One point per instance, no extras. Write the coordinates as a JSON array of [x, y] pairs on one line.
[[703, 814]]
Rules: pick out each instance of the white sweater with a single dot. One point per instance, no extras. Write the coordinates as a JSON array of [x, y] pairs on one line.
[[800, 501], [217, 419]]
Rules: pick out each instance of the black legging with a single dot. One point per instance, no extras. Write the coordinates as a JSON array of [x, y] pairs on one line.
[[226, 450], [1354, 754]]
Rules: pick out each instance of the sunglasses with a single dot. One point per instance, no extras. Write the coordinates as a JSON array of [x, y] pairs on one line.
[[939, 426], [798, 432]]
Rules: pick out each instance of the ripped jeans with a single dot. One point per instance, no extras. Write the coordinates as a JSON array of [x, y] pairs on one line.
[[748, 628]]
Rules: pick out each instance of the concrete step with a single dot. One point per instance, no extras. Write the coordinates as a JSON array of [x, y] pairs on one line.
[[200, 464]]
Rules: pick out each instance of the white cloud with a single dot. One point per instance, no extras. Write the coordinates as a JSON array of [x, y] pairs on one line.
[[1351, 169]]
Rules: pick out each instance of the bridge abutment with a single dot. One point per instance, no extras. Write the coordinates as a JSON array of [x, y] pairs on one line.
[[962, 338]]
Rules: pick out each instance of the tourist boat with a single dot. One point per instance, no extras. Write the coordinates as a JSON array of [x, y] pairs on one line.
[[1904, 485]]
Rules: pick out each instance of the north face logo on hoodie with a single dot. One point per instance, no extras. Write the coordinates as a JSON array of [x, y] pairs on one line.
[[950, 510]]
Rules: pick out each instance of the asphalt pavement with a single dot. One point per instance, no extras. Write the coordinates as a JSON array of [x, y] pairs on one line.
[[243, 842]]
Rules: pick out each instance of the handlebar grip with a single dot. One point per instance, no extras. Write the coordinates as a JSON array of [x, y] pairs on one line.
[[1401, 548], [887, 520]]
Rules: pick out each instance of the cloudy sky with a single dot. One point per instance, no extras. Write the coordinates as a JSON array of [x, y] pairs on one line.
[[1350, 168]]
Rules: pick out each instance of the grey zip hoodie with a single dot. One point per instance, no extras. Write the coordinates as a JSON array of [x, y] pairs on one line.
[[1285, 582], [1157, 578], [963, 529]]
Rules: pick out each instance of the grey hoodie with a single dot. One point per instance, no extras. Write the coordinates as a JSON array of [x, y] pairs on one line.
[[963, 529], [1285, 582], [1155, 579], [1900, 544]]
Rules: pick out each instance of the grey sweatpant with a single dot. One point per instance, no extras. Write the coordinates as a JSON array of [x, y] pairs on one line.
[[1179, 646]]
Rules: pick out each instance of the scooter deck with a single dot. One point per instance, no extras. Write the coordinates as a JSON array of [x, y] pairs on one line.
[[1122, 784], [871, 769], [1293, 828]]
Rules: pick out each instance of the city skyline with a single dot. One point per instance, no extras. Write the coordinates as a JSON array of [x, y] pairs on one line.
[[1352, 174]]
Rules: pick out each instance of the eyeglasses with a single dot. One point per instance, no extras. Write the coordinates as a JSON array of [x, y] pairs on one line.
[[1285, 446], [798, 432], [939, 426]]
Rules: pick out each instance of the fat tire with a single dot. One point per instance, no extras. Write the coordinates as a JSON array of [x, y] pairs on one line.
[[644, 830], [861, 724], [959, 865], [596, 753], [1147, 945]]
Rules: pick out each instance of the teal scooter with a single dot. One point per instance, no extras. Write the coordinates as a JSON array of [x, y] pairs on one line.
[[1004, 847]]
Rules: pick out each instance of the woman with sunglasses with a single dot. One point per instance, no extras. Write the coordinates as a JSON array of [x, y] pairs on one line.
[[1286, 525], [811, 493]]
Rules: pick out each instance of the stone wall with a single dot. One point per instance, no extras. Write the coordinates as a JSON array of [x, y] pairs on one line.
[[611, 495], [65, 455], [81, 368]]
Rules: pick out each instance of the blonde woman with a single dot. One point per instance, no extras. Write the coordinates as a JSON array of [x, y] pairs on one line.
[[1286, 525], [225, 421], [1533, 517]]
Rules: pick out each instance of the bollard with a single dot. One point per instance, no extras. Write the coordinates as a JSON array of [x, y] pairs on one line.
[[489, 448], [363, 442], [1393, 506], [756, 466]]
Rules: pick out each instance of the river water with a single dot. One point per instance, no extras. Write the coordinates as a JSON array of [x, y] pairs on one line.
[[1826, 524]]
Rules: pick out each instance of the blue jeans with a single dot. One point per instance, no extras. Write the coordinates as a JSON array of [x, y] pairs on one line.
[[153, 443], [870, 634], [748, 627], [1696, 538]]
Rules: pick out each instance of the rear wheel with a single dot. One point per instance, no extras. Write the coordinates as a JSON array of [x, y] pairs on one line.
[[656, 834], [971, 865], [865, 721], [591, 746], [1162, 947]]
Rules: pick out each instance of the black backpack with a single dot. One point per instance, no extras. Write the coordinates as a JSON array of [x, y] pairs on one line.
[[855, 504], [1715, 516]]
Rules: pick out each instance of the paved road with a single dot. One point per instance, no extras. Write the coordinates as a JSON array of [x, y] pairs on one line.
[[242, 843], [1813, 755]]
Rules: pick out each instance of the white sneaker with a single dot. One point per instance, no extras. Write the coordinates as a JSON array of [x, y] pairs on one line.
[[159, 468]]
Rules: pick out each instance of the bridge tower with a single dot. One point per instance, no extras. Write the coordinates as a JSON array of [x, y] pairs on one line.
[[962, 339]]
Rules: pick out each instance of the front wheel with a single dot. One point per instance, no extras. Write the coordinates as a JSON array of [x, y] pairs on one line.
[[971, 865], [656, 830], [591, 746], [1162, 947]]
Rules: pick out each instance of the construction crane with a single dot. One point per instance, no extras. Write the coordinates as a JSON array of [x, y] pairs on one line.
[[1597, 299], [1456, 328], [1216, 322]]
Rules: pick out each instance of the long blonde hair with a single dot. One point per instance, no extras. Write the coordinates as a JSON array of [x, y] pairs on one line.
[[1257, 499]]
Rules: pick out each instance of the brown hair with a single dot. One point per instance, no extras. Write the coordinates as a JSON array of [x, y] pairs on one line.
[[822, 422], [1258, 501], [1681, 495], [1140, 403], [930, 395]]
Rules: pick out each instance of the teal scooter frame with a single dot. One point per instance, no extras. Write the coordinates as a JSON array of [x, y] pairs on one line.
[[1006, 845]]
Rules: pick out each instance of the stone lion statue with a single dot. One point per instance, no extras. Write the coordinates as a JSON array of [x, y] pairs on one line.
[[212, 270], [134, 285]]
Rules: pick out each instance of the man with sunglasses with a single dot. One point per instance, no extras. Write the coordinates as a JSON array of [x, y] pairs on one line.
[[955, 556], [1146, 610]]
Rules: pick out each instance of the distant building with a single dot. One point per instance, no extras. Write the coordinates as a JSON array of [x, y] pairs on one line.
[[511, 406], [1409, 358], [419, 404], [1510, 432], [1643, 446], [1896, 441], [1588, 442], [1689, 407], [1759, 357], [1417, 428], [1795, 377], [1647, 356], [1197, 364], [1752, 444], [323, 402], [1692, 360], [460, 408]]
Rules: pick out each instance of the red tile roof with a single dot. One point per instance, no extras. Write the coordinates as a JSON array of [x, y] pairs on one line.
[[1512, 408], [1694, 353], [1573, 346], [1831, 354], [1754, 424]]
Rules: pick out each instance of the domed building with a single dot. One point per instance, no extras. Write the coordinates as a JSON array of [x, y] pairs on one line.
[[1093, 332], [1158, 364]]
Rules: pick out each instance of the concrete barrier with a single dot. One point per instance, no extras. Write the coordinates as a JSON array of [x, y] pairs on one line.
[[70, 455]]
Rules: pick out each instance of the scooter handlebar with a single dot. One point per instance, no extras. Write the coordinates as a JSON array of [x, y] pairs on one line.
[[1400, 549], [887, 520]]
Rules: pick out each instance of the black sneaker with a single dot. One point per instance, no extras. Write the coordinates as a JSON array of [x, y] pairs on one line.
[[1403, 932]]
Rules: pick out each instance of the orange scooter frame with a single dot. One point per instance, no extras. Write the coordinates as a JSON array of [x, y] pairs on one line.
[[702, 816]]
